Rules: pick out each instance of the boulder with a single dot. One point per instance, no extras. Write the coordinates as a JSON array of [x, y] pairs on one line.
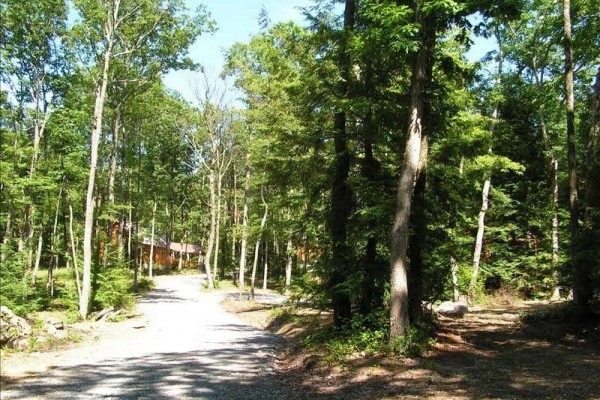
[[13, 329], [452, 309]]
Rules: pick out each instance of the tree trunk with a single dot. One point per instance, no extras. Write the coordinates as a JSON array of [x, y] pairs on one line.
[[341, 193], [212, 230], [95, 140], [454, 272], [266, 266], [257, 247], [399, 312], [288, 266], [151, 261], [553, 175], [418, 222], [53, 255], [114, 154], [38, 256], [242, 271], [74, 251], [581, 295], [217, 226], [479, 238], [485, 192]]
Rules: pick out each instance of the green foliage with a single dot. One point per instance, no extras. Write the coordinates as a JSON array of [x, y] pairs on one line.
[[368, 335], [114, 288]]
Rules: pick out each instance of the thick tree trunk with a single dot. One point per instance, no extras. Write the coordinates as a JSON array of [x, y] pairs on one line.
[[418, 222], [242, 272], [581, 295], [84, 300], [341, 193], [399, 310]]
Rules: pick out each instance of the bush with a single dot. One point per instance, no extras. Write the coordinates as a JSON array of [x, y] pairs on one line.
[[114, 288], [415, 342]]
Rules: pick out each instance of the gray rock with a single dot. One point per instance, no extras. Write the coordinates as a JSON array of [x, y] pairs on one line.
[[452, 309], [13, 328]]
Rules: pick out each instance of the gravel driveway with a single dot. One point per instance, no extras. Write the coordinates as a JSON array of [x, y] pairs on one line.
[[189, 349]]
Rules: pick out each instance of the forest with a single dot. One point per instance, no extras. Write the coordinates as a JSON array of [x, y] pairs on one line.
[[368, 166]]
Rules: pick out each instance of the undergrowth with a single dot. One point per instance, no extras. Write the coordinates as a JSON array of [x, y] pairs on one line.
[[368, 335]]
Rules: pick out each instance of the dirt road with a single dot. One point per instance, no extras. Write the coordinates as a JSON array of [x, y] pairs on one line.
[[189, 349]]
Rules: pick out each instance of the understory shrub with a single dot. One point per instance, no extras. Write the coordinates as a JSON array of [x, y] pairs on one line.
[[114, 288]]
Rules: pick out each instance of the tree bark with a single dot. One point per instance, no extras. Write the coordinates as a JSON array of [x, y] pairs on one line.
[[74, 251], [581, 295], [217, 225], [485, 192], [399, 311], [53, 255], [242, 272], [38, 256], [418, 222], [266, 266], [257, 247], [288, 265], [341, 193], [212, 230], [151, 260], [95, 140]]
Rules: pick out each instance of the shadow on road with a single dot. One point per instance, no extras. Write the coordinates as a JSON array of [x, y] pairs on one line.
[[219, 374]]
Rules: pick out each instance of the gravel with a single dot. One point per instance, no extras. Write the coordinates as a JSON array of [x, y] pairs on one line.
[[186, 347]]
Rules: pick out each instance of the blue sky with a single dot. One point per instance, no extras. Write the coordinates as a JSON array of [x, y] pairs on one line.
[[237, 21]]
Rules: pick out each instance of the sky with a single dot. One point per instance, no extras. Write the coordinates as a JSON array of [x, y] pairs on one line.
[[237, 21]]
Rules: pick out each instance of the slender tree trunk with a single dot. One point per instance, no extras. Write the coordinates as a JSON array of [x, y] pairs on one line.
[[54, 259], [288, 265], [74, 251], [266, 266], [151, 261], [114, 155], [399, 312], [217, 226], [212, 230], [454, 271], [257, 247], [234, 218], [88, 226], [485, 192], [38, 256], [553, 175], [244, 230]]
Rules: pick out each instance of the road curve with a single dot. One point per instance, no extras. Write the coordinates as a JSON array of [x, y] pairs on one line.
[[190, 348]]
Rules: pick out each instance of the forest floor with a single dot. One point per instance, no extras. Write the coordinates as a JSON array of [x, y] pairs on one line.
[[488, 354], [184, 345]]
